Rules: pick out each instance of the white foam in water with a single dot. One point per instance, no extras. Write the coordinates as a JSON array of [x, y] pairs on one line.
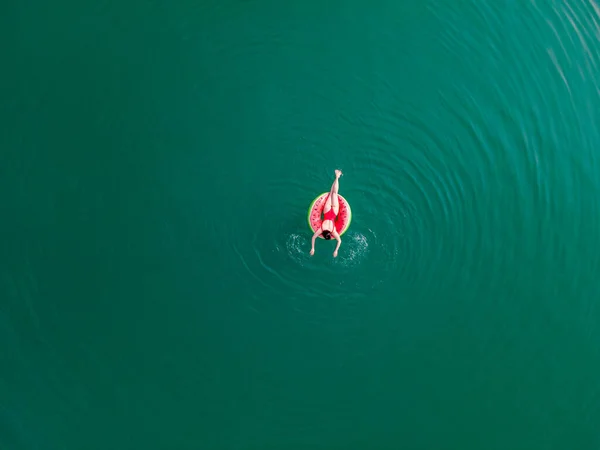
[[354, 247], [298, 247]]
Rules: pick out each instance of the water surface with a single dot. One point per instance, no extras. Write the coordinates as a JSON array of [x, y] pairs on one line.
[[157, 161]]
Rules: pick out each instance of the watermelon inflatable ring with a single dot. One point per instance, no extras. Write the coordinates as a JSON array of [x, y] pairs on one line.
[[315, 214]]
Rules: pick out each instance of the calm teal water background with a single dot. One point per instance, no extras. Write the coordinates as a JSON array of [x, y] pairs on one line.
[[156, 163]]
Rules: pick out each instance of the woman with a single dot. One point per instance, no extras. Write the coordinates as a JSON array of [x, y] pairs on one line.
[[330, 212]]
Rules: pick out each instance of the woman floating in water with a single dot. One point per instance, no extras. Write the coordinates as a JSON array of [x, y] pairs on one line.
[[330, 212]]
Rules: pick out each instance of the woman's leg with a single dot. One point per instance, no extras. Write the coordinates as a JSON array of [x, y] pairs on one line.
[[332, 198]]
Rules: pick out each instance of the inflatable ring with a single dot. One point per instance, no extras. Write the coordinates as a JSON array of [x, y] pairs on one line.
[[315, 213]]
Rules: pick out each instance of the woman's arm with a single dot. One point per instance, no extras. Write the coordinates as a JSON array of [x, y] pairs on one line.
[[339, 242], [312, 249]]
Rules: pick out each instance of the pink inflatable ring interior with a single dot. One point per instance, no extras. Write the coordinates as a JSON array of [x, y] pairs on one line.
[[315, 214]]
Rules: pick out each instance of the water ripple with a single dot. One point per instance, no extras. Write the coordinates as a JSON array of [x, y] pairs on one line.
[[443, 183]]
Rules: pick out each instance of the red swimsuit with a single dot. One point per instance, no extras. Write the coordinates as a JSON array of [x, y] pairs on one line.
[[329, 215]]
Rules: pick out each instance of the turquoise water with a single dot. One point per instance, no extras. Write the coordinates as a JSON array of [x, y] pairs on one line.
[[156, 165]]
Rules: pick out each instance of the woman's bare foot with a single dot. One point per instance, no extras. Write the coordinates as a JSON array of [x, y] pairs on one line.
[[338, 173]]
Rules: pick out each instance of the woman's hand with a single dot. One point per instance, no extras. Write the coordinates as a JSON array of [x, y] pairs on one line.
[[339, 242], [312, 241]]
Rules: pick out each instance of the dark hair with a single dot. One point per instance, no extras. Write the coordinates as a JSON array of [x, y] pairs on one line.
[[327, 234]]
